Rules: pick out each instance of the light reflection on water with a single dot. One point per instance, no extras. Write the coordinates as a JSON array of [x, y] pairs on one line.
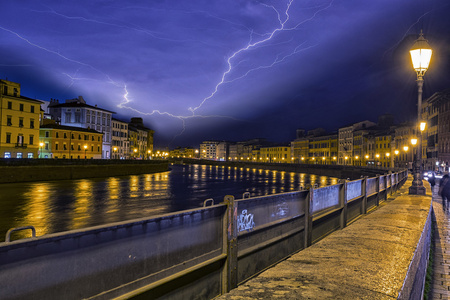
[[56, 206]]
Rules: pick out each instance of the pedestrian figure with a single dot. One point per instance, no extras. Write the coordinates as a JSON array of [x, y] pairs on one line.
[[444, 189], [432, 180]]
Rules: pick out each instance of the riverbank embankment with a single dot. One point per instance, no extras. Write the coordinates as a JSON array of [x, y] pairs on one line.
[[25, 170], [338, 171]]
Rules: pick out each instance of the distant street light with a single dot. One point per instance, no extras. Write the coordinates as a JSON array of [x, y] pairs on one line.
[[40, 149], [85, 148], [420, 56]]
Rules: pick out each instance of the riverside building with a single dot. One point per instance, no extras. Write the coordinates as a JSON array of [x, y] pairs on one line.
[[19, 122], [76, 113], [59, 141]]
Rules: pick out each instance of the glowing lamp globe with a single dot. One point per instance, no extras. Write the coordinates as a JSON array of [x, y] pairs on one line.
[[421, 55]]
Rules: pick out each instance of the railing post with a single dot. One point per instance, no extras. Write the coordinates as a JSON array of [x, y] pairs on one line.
[[229, 276], [364, 193], [309, 217], [378, 190], [385, 186], [343, 204]]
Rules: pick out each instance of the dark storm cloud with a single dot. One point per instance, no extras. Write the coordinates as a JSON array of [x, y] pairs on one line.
[[197, 70]]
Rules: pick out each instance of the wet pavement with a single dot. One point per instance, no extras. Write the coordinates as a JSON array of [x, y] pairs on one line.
[[369, 259]]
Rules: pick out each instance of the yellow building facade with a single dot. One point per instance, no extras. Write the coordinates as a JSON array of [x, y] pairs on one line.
[[323, 150], [278, 154], [56, 141], [19, 122], [384, 152]]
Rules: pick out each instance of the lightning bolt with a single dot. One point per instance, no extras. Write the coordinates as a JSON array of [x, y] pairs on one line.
[[283, 18], [251, 45]]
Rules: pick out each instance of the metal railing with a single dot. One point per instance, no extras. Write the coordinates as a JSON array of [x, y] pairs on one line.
[[203, 252]]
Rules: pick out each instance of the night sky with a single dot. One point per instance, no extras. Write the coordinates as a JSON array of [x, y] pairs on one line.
[[227, 70]]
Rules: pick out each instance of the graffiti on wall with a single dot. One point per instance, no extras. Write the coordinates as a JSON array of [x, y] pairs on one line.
[[281, 210], [245, 221]]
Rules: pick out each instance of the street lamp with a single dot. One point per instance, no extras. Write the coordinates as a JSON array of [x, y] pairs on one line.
[[85, 148], [396, 152], [420, 56], [115, 152], [40, 149]]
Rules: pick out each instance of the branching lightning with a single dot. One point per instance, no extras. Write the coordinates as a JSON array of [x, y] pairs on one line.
[[262, 40], [252, 45]]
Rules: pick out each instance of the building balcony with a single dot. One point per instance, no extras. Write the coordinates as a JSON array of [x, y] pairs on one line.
[[20, 145]]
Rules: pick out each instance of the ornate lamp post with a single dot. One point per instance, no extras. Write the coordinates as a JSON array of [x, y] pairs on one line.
[[420, 56]]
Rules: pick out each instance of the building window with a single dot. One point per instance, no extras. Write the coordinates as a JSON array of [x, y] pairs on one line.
[[20, 122], [9, 106], [9, 120], [47, 134], [30, 154], [65, 135], [77, 118], [79, 147], [71, 147], [79, 136], [31, 139], [31, 123], [57, 134], [46, 146], [8, 138], [19, 155], [32, 108], [56, 146], [7, 155], [21, 107], [68, 117], [64, 146]]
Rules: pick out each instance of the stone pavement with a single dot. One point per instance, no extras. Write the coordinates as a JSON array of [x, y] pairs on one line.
[[369, 259], [441, 259]]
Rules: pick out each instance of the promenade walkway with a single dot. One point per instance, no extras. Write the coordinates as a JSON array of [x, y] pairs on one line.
[[441, 239], [369, 259]]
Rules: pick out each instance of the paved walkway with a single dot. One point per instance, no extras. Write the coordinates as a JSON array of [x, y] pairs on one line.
[[441, 262], [366, 260]]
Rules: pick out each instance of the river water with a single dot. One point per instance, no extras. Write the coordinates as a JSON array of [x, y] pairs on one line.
[[55, 206]]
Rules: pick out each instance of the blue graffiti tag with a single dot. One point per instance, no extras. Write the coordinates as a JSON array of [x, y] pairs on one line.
[[245, 221]]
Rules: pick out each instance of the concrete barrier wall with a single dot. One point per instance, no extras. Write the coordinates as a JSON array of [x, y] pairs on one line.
[[198, 253], [9, 174]]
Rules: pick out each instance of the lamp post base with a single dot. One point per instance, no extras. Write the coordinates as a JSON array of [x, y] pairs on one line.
[[417, 190]]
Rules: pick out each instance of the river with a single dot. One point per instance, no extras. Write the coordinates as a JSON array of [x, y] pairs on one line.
[[55, 206]]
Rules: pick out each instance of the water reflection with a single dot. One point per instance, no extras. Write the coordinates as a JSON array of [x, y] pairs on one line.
[[56, 206]]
